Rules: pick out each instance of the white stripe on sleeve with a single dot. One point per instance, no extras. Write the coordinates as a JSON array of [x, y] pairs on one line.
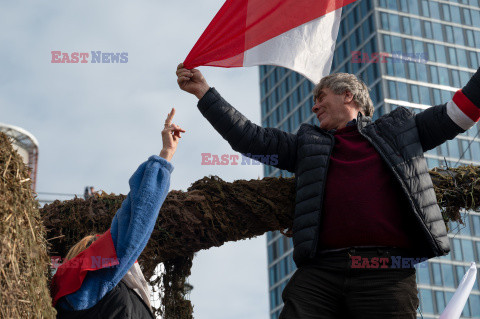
[[457, 116]]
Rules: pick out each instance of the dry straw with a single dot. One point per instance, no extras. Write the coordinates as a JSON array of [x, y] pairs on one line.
[[24, 262]]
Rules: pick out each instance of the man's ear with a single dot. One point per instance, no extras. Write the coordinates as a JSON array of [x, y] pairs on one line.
[[348, 97]]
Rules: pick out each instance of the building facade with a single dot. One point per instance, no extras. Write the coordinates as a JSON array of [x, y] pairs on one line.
[[410, 53]]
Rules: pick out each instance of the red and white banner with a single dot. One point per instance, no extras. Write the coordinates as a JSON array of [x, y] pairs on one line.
[[296, 34]]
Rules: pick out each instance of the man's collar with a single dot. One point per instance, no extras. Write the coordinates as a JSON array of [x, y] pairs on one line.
[[352, 123]]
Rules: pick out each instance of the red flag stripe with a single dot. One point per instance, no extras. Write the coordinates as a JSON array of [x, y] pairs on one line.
[[223, 38], [466, 106], [243, 24]]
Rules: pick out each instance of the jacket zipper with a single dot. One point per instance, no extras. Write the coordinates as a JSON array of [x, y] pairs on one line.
[[379, 150]]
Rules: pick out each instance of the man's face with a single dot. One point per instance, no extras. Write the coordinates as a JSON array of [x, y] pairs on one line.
[[332, 110]]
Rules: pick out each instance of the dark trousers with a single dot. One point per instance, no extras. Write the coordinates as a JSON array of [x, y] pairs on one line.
[[331, 288]]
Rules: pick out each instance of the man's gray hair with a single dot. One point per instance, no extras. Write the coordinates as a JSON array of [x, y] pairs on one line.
[[339, 83]]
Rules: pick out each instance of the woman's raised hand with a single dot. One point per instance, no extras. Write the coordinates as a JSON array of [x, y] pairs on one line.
[[170, 137]]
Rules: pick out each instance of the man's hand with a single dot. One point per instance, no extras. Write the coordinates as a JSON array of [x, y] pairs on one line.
[[170, 137], [192, 81]]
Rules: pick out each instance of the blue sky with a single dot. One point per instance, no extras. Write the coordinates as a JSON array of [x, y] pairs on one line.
[[96, 123]]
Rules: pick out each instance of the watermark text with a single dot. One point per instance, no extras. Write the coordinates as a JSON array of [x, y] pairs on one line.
[[235, 159], [89, 57]]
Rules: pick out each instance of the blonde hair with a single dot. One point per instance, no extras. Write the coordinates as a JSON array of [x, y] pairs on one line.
[[80, 246], [339, 83]]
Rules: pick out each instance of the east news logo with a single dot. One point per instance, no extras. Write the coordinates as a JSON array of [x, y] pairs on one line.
[[96, 57]]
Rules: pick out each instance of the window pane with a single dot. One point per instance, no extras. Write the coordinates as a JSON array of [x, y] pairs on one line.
[[399, 67], [396, 44], [402, 91], [455, 14], [458, 32], [271, 276], [414, 94], [422, 72], [467, 246], [457, 248], [465, 155], [412, 72], [275, 250], [392, 90], [449, 32], [386, 43], [384, 20], [413, 6], [475, 15], [406, 25], [437, 31], [434, 9], [416, 27], [447, 272], [437, 100], [428, 29], [440, 298], [446, 12], [464, 76], [476, 223], [431, 52], [426, 301], [423, 273], [474, 301], [466, 310], [440, 53], [454, 150], [418, 46], [272, 299], [462, 58], [434, 74], [394, 23], [460, 270], [425, 9], [436, 274], [392, 4], [466, 229], [453, 56], [443, 76], [473, 58], [470, 38], [425, 95]]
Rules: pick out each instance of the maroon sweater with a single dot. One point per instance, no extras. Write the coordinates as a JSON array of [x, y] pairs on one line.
[[363, 203]]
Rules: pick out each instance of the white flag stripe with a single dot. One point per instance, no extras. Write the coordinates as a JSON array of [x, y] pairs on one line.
[[307, 49], [457, 303], [457, 116]]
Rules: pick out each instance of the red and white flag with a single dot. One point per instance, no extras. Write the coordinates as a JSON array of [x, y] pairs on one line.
[[296, 34]]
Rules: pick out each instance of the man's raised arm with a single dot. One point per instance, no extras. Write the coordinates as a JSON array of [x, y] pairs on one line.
[[443, 122], [243, 135]]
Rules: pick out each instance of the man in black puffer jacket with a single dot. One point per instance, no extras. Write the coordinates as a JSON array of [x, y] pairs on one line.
[[366, 209]]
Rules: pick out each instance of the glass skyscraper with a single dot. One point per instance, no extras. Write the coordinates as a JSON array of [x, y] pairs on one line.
[[429, 50]]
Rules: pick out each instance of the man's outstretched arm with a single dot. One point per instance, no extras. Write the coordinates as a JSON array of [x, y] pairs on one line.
[[243, 135], [443, 122]]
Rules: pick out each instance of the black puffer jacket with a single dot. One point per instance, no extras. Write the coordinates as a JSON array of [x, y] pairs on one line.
[[400, 137]]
